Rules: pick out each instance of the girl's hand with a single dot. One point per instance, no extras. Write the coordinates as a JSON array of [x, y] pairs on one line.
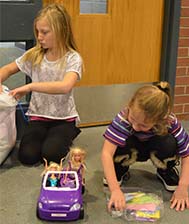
[[117, 200], [180, 198], [19, 92]]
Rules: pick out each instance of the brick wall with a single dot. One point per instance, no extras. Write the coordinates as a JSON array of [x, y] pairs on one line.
[[181, 98]]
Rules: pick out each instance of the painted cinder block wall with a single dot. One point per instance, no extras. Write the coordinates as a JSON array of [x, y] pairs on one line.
[[181, 94]]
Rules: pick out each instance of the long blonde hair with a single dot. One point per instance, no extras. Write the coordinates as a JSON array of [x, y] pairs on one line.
[[156, 103], [60, 23], [80, 151]]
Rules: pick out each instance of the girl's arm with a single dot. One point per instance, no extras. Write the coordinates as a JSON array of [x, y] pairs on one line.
[[184, 177], [57, 87], [180, 198], [7, 71], [117, 197]]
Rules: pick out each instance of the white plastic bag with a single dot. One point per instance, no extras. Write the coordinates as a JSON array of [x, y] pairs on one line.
[[7, 123]]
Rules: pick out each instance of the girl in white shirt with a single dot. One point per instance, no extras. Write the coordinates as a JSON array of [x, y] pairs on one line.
[[54, 66]]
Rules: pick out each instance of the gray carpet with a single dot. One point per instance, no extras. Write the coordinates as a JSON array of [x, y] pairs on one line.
[[20, 185]]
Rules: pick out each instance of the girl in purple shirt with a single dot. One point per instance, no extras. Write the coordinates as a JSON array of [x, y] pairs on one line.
[[147, 129]]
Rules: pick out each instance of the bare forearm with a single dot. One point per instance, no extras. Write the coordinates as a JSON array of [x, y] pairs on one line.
[[184, 177], [117, 198], [109, 172], [56, 87], [7, 71], [3, 74], [108, 165], [48, 87]]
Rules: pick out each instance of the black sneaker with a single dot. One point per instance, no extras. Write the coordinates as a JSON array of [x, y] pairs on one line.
[[169, 177], [124, 178]]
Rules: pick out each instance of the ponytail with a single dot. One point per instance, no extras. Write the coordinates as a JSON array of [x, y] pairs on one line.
[[165, 87]]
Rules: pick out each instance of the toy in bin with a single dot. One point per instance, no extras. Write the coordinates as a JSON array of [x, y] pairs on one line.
[[141, 205], [61, 201]]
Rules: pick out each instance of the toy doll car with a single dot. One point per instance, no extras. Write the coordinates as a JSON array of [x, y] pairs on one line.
[[61, 202]]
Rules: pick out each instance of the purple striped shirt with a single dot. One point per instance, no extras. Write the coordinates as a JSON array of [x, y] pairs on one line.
[[120, 129]]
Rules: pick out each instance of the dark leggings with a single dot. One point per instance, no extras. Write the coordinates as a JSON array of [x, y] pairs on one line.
[[50, 140], [162, 148]]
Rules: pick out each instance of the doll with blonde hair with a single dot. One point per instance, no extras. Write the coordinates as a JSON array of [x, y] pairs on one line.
[[76, 162], [52, 179]]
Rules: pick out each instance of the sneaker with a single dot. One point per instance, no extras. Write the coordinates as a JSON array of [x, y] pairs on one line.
[[124, 178], [169, 177]]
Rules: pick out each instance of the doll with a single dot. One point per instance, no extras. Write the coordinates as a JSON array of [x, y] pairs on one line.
[[53, 179], [76, 163]]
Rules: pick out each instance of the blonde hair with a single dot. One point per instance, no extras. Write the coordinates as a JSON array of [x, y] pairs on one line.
[[156, 103], [77, 150], [60, 23], [52, 165]]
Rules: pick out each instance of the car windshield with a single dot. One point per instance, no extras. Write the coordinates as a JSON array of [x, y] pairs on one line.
[[64, 180]]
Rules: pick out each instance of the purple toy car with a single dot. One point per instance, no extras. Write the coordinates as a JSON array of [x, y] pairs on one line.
[[61, 200]]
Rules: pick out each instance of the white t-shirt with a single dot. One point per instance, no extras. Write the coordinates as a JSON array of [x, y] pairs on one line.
[[53, 106]]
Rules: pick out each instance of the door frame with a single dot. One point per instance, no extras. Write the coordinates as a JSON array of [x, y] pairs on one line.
[[172, 10]]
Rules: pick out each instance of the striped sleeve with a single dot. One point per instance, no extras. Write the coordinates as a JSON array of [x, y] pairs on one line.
[[119, 130], [181, 136]]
